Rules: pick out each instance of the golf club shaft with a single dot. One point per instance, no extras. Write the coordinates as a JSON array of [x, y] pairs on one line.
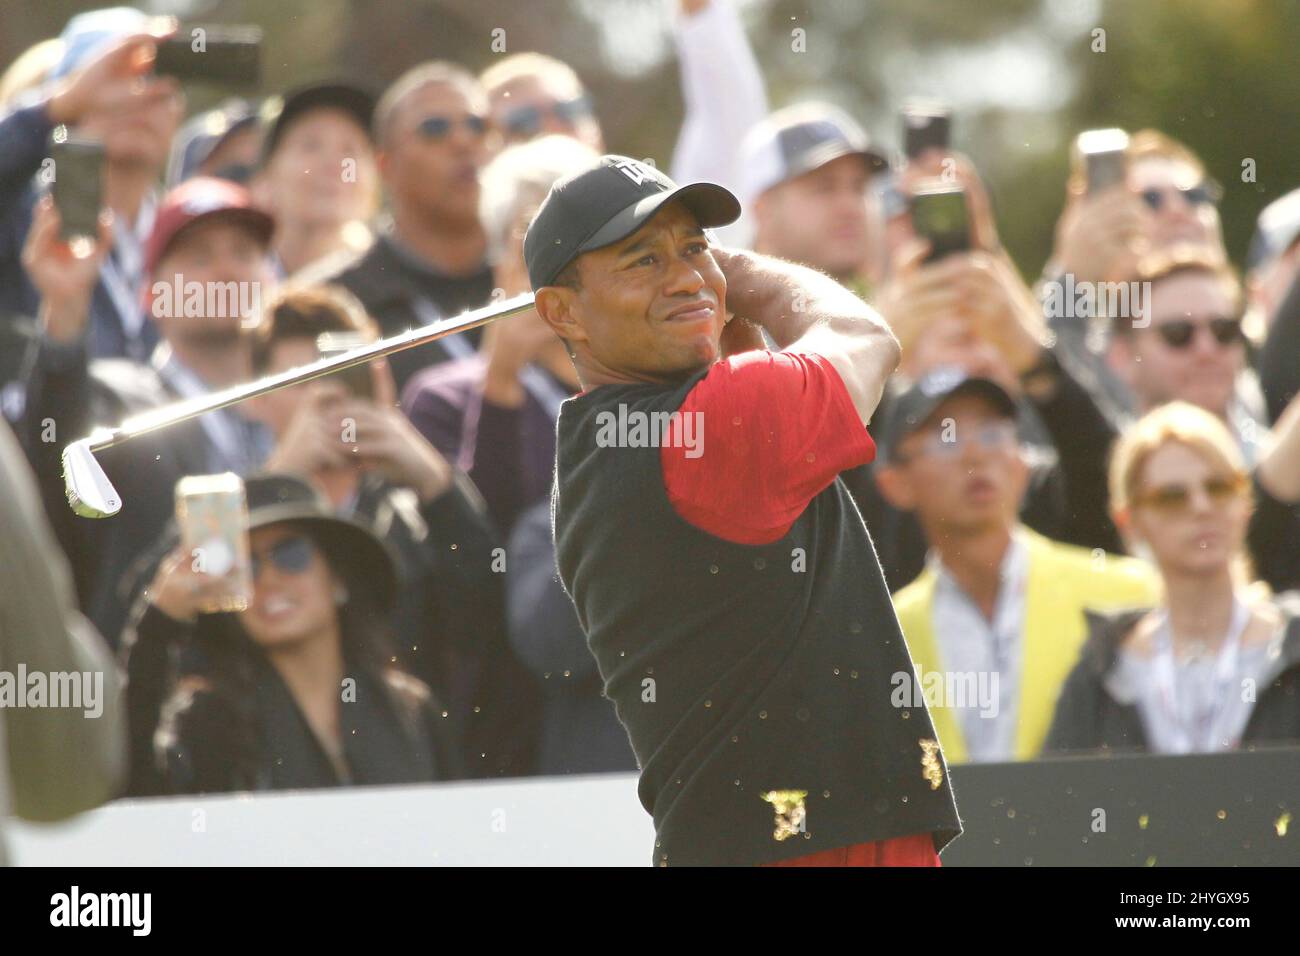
[[183, 411]]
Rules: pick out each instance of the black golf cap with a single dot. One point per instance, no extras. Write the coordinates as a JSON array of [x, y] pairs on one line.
[[278, 113], [910, 410], [599, 206]]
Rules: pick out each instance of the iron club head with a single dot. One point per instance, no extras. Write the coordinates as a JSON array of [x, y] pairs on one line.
[[89, 491]]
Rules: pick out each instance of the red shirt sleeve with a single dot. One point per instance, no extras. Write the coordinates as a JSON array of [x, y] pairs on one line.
[[772, 430]]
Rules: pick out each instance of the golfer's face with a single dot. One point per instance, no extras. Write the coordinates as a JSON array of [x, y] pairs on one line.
[[653, 305]]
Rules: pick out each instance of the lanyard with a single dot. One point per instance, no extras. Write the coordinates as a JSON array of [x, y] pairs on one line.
[[1197, 730], [121, 268], [545, 390], [222, 427]]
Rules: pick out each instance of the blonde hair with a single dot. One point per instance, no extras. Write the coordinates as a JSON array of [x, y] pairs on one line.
[[1180, 422], [1144, 144], [517, 65]]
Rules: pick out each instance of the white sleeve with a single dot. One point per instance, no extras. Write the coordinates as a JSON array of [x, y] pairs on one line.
[[723, 90]]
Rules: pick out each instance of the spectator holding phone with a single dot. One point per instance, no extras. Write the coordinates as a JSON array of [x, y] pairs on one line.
[[102, 88], [209, 235], [346, 436], [299, 690], [1216, 665]]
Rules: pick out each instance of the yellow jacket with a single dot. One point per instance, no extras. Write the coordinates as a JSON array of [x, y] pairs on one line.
[[1062, 580]]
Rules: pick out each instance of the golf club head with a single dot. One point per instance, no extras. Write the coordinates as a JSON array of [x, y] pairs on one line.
[[89, 491]]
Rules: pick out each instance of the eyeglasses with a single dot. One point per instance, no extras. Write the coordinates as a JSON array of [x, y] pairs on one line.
[[527, 120], [440, 127], [1174, 498], [992, 436], [1179, 333], [1198, 195], [290, 555]]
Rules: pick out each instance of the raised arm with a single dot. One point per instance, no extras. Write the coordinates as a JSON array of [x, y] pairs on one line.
[[805, 311]]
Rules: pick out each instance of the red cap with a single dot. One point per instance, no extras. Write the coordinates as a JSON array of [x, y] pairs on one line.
[[199, 198]]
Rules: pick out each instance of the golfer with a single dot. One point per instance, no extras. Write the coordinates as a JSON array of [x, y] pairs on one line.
[[727, 585]]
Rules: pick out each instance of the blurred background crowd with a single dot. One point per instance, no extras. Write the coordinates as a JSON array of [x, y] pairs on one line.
[[1101, 507]]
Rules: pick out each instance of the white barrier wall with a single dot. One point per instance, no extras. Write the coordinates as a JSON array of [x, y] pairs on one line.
[[576, 821]]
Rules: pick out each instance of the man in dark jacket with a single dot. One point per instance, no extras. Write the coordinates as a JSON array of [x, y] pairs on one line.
[[724, 579], [432, 140], [208, 253]]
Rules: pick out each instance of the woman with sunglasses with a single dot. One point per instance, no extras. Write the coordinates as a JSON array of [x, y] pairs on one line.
[[1217, 665], [299, 689]]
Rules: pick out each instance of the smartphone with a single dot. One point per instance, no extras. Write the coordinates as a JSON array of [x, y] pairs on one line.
[[78, 184], [925, 126], [939, 215], [212, 515], [1102, 153], [223, 55], [358, 379]]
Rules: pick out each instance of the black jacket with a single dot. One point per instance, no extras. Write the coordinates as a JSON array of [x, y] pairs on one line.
[[67, 395], [391, 733], [401, 293], [1088, 717]]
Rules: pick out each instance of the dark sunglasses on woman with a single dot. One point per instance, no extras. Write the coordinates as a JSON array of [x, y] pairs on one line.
[[527, 120], [440, 127], [1179, 333], [1198, 195], [1175, 497], [290, 555]]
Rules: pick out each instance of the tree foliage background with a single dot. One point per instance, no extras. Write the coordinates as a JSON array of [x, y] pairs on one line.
[[1023, 75]]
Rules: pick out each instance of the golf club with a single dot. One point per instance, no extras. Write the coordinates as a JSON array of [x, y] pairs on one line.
[[92, 495]]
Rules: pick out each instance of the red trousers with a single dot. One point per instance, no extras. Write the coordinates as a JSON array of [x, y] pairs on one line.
[[914, 850]]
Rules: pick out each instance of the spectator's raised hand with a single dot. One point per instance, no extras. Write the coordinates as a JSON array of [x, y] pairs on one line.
[[388, 444], [115, 80], [1001, 308], [510, 345], [956, 169], [1100, 238], [313, 442], [63, 274], [179, 591], [919, 293]]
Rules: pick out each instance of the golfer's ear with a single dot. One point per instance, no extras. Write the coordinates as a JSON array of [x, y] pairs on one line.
[[895, 487], [556, 304]]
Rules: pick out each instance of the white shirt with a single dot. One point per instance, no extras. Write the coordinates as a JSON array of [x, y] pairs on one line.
[[989, 651], [724, 95]]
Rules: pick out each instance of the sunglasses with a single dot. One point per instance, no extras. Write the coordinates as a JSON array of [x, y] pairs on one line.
[[994, 436], [1198, 195], [527, 120], [1179, 333], [1176, 498], [440, 127], [290, 555]]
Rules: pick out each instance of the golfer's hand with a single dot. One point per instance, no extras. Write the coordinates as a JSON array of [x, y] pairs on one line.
[[64, 280]]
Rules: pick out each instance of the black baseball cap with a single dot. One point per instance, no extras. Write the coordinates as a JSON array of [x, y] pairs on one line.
[[279, 112], [910, 409], [599, 206]]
